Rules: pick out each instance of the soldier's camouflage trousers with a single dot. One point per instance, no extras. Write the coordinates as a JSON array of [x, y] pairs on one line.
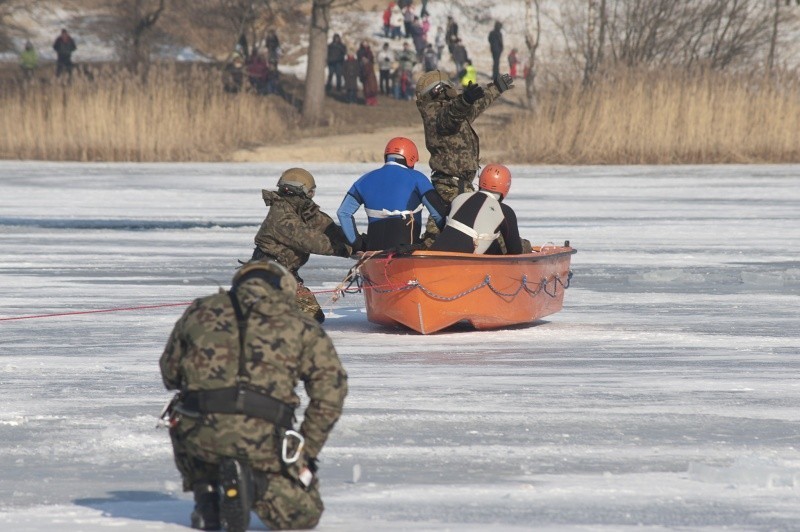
[[448, 189], [281, 501], [308, 303]]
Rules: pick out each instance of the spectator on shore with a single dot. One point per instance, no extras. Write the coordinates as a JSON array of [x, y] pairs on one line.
[[513, 61], [367, 72], [451, 34], [233, 75], [336, 53], [273, 48], [397, 22], [460, 56], [439, 42], [385, 59], [387, 20], [417, 38], [350, 71], [403, 83], [64, 46], [496, 47], [430, 60], [28, 60], [364, 51], [258, 73], [426, 27], [469, 75], [407, 58], [408, 20]]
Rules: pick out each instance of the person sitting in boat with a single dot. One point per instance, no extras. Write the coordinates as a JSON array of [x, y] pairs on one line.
[[294, 228], [393, 197], [477, 220]]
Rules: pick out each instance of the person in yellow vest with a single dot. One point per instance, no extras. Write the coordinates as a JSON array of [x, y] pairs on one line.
[[29, 60], [469, 75]]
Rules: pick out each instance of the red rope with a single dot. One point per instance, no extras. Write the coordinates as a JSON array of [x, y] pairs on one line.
[[123, 309], [118, 309]]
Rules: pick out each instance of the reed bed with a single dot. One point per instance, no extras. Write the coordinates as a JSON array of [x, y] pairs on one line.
[[167, 116], [661, 118]]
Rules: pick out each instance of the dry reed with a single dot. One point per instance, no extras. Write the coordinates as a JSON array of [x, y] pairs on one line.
[[662, 118], [119, 117]]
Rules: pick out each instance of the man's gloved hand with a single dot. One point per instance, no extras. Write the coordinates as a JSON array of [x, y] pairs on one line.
[[504, 82], [360, 243], [473, 93]]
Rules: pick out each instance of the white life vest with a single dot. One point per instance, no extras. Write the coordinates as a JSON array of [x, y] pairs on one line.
[[489, 218]]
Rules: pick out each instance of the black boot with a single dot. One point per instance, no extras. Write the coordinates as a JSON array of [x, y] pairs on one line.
[[236, 497], [206, 507]]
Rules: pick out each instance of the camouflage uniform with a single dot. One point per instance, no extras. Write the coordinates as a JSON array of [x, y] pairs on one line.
[[294, 228], [453, 145], [283, 345]]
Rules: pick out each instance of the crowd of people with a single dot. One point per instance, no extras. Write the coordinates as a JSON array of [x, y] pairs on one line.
[[409, 49], [258, 65]]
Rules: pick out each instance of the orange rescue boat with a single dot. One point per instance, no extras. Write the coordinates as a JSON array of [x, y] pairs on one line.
[[429, 290]]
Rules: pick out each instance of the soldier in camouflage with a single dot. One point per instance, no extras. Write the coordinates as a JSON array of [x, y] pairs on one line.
[[447, 117], [236, 358], [294, 228]]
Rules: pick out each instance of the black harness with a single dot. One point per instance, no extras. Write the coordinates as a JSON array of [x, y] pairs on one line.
[[242, 398]]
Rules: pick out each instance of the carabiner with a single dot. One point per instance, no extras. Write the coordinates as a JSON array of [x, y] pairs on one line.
[[285, 448]]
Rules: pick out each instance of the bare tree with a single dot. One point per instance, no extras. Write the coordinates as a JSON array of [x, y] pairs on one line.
[[134, 22], [716, 34], [533, 32], [314, 93], [7, 8]]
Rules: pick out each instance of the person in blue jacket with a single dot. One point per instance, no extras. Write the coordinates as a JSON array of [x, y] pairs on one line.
[[393, 197]]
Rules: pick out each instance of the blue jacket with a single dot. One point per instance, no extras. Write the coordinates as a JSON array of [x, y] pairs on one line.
[[392, 196]]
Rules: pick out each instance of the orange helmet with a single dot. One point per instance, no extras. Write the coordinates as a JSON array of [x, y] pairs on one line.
[[403, 147], [495, 178]]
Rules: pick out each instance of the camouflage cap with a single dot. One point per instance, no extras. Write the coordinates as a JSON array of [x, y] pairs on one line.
[[270, 271]]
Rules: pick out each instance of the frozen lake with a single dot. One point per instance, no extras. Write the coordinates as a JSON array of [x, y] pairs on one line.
[[664, 396]]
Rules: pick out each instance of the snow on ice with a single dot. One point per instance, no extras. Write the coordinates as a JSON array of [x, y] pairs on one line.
[[664, 396]]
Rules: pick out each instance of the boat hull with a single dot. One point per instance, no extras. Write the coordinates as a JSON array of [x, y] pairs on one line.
[[428, 291]]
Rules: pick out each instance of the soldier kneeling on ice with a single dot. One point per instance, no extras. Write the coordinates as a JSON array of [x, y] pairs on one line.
[[479, 222], [236, 357], [294, 228]]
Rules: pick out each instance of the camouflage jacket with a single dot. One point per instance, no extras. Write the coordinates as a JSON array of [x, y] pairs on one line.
[[449, 137], [283, 346], [295, 227]]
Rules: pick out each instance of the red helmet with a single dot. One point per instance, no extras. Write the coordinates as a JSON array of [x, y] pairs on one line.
[[495, 178], [403, 147]]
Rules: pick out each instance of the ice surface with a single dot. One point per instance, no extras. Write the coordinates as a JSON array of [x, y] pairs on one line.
[[664, 396]]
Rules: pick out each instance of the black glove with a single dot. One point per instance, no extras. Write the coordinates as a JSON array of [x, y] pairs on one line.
[[311, 463], [473, 93], [504, 82], [360, 243]]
